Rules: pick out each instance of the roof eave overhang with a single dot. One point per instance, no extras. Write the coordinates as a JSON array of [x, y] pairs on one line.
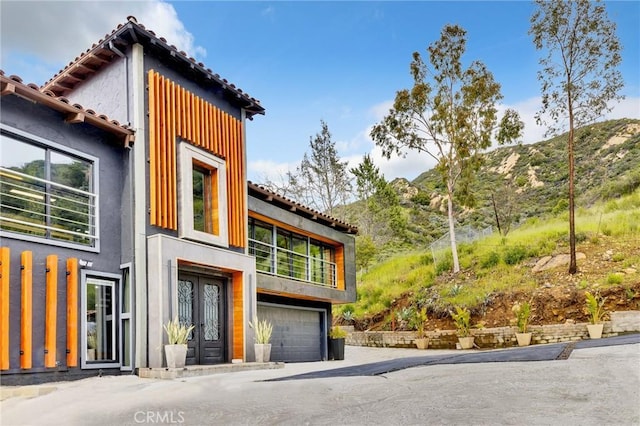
[[131, 33]]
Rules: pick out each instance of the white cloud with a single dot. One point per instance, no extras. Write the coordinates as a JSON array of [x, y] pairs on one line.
[[262, 171], [52, 34]]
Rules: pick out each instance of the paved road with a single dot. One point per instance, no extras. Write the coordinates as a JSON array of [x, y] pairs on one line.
[[594, 386]]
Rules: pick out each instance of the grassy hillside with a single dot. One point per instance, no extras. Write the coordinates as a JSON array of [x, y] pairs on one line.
[[533, 178], [498, 270]]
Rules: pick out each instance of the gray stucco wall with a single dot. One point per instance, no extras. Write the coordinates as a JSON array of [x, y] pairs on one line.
[[280, 284], [106, 91], [48, 124]]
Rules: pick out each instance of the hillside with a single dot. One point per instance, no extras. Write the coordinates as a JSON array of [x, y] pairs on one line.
[[531, 179], [498, 270]]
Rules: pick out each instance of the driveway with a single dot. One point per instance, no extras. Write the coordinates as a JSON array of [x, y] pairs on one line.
[[594, 386]]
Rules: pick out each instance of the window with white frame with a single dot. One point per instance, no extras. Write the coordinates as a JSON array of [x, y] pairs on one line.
[[202, 196], [100, 337], [47, 191]]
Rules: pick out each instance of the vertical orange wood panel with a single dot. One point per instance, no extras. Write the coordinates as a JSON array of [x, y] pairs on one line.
[[26, 314], [238, 316], [216, 131], [237, 185], [50, 313], [153, 179], [203, 124], [178, 114], [340, 268], [4, 308], [207, 123], [72, 312], [163, 154], [241, 184], [174, 164]]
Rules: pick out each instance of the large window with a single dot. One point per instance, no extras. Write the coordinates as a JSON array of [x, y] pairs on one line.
[[282, 252], [47, 191], [100, 322], [203, 198]]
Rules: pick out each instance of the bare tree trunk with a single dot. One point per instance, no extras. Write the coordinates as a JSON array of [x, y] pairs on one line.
[[452, 231], [495, 212], [573, 263]]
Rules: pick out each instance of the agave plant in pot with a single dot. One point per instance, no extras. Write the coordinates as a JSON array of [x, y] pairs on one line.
[[462, 318], [178, 336], [595, 306], [421, 341], [263, 330], [523, 313]]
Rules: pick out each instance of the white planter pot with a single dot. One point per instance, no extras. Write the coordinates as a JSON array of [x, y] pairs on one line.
[[91, 354], [595, 330], [176, 355], [263, 352], [524, 339], [466, 342], [422, 342]]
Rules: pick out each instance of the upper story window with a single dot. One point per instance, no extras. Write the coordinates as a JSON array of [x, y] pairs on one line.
[[282, 252], [47, 191], [203, 197]]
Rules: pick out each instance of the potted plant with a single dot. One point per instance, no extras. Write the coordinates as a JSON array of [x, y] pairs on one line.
[[595, 306], [92, 344], [522, 312], [462, 318], [262, 348], [178, 336], [337, 336], [420, 319]]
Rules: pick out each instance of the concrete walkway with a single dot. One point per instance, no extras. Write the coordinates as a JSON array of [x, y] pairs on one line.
[[594, 386]]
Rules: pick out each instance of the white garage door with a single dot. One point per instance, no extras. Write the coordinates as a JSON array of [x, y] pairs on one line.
[[297, 333]]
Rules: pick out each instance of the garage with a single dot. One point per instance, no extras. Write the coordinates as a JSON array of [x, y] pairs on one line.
[[298, 333]]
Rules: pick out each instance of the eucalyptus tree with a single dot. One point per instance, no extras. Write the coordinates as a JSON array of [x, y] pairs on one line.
[[578, 75], [449, 114]]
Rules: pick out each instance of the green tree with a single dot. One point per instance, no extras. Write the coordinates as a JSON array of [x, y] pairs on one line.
[[381, 219], [450, 115], [321, 181], [578, 74]]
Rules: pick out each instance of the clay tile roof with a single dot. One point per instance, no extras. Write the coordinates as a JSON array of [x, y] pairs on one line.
[[108, 49], [75, 113], [299, 209]]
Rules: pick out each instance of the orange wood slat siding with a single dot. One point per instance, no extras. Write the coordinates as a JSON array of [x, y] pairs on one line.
[[51, 298], [238, 316], [72, 312], [153, 132], [340, 285], [172, 160], [26, 314], [4, 308], [174, 112]]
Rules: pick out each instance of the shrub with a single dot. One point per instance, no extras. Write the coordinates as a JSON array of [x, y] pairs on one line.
[[614, 279], [618, 257], [490, 260], [514, 254], [445, 265], [263, 330]]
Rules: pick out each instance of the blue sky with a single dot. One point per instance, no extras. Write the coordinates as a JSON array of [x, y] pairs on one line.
[[340, 62]]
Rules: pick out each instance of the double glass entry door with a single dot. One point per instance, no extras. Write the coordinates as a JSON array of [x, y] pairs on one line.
[[201, 302]]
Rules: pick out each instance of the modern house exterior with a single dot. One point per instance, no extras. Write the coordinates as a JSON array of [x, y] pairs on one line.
[[167, 224]]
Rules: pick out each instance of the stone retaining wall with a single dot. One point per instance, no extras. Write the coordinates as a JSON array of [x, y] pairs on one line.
[[499, 337]]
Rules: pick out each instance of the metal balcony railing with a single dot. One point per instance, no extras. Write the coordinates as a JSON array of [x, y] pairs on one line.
[[39, 207], [274, 260]]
